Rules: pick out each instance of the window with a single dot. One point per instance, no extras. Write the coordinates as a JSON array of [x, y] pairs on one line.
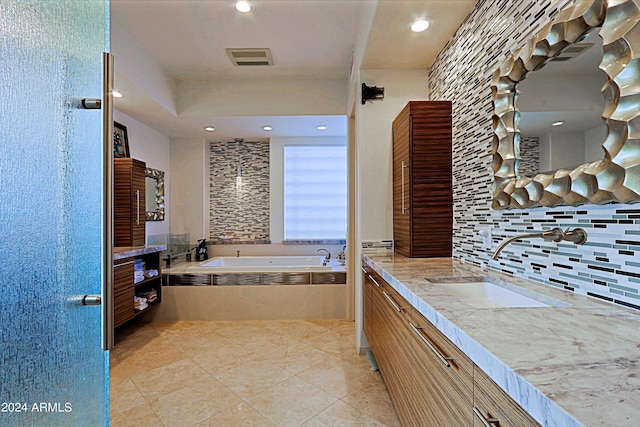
[[315, 192]]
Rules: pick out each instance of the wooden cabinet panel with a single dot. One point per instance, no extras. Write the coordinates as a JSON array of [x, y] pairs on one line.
[[123, 291], [129, 208], [392, 348], [367, 319], [492, 403], [422, 193], [443, 378]]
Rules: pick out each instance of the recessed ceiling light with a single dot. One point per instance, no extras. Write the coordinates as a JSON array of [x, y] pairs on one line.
[[210, 129], [420, 25], [321, 127], [116, 94], [560, 123], [267, 128], [243, 6]]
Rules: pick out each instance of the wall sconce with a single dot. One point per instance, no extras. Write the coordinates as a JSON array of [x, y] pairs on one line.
[[371, 92]]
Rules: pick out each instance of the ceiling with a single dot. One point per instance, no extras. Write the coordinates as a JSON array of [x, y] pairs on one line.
[[167, 51]]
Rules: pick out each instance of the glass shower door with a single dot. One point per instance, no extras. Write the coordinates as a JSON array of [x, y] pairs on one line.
[[53, 368]]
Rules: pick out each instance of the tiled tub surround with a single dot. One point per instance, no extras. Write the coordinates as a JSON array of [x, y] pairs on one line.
[[567, 366], [239, 206], [607, 265], [253, 295]]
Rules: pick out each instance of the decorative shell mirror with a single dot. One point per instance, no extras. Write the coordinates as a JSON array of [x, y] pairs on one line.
[[154, 191], [614, 178]]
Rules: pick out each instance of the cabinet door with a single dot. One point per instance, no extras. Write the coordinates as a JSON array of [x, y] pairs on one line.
[[443, 378], [138, 203], [123, 291], [129, 208], [402, 183], [493, 405], [367, 309], [392, 348]]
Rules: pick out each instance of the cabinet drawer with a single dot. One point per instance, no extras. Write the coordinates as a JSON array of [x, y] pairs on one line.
[[443, 378], [459, 364], [491, 402]]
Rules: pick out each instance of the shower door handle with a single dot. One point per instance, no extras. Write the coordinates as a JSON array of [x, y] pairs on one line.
[[107, 215]]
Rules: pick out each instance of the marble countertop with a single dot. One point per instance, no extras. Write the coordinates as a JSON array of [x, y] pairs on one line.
[[576, 365], [121, 252]]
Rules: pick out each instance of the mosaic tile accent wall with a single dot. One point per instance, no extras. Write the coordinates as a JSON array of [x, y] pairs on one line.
[[608, 265], [239, 207]]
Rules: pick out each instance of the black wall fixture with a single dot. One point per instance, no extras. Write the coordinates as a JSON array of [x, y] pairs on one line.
[[371, 92]]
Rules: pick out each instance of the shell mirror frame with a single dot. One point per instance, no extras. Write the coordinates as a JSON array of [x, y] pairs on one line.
[[615, 178], [154, 194]]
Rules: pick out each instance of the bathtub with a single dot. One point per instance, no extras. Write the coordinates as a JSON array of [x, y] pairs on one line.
[[266, 264]]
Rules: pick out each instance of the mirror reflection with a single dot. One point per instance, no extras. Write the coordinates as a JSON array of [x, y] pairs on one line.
[[561, 106]]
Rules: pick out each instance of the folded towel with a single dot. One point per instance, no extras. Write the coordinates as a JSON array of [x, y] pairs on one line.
[[151, 273]]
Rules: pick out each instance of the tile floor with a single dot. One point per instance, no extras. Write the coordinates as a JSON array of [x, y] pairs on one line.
[[244, 373]]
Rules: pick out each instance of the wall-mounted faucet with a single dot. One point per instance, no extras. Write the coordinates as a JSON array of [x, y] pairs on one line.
[[577, 236]]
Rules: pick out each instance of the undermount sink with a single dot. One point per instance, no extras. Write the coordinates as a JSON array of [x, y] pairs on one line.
[[492, 293]]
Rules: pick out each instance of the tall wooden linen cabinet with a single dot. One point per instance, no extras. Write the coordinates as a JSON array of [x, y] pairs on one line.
[[422, 193], [129, 208]]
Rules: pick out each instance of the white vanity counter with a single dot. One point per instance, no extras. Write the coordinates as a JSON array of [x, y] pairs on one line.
[[567, 366]]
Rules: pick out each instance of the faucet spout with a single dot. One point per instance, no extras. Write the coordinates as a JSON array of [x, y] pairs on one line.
[[555, 234], [327, 256]]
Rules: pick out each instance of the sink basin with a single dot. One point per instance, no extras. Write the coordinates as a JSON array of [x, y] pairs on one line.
[[482, 293]]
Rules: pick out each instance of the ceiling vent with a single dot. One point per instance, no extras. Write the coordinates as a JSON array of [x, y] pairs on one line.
[[571, 52], [250, 57]]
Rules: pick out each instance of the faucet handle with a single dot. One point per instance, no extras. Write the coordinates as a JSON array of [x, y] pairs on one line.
[[577, 236]]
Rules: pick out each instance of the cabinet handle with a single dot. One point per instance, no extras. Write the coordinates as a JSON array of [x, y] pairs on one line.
[[137, 207], [486, 422], [373, 280], [403, 186], [424, 339], [393, 303]]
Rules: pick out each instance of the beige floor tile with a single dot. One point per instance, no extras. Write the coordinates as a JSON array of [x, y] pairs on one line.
[[199, 341], [252, 378], [195, 403], [342, 415], [139, 416], [198, 373], [373, 400], [300, 329], [240, 415], [291, 403], [336, 376], [169, 378], [223, 358], [150, 357], [299, 357], [123, 395]]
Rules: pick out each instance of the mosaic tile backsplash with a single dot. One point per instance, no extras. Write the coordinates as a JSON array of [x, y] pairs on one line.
[[239, 207], [607, 266]]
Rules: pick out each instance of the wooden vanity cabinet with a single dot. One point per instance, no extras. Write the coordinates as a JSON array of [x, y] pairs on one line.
[[443, 378], [129, 207], [392, 348], [125, 288], [490, 402], [422, 182], [430, 380]]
